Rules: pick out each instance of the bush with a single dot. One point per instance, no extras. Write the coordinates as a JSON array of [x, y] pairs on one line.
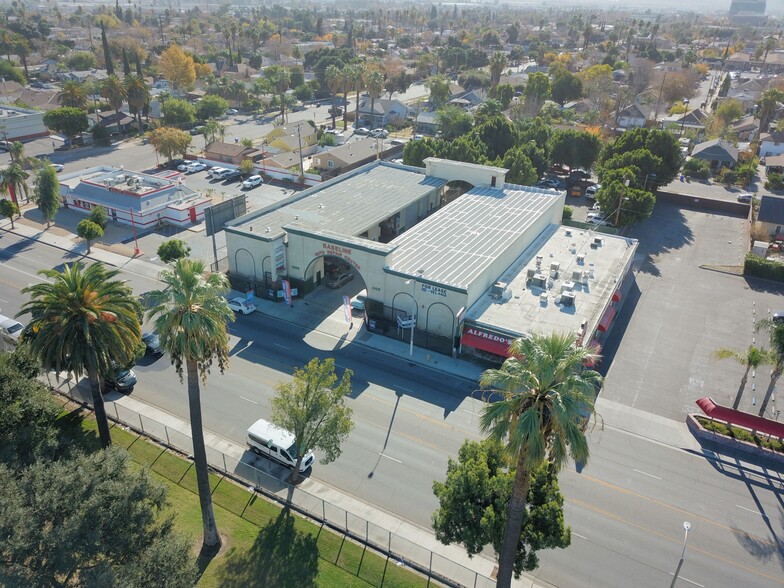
[[740, 434], [726, 176], [99, 217], [697, 168], [567, 213], [775, 182], [327, 140], [758, 267], [743, 435]]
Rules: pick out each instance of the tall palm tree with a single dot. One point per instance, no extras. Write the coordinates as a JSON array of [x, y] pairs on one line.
[[767, 106], [13, 180], [752, 359], [84, 321], [17, 152], [138, 96], [375, 87], [334, 79], [113, 89], [190, 315], [345, 87], [357, 75], [213, 131], [73, 94], [497, 65], [776, 357], [547, 397]]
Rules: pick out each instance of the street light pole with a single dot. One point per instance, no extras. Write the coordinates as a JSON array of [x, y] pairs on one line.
[[620, 201], [413, 317], [685, 112], [645, 184], [686, 527]]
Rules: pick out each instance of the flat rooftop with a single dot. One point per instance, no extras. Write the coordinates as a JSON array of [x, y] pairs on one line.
[[350, 204], [456, 244], [522, 311]]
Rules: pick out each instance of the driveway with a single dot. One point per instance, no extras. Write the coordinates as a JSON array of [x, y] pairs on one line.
[[681, 309]]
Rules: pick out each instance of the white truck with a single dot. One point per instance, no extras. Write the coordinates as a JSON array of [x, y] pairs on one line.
[[277, 444]]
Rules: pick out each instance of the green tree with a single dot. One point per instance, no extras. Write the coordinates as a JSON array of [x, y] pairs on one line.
[[213, 131], [13, 180], [497, 65], [415, 152], [750, 360], [81, 61], [566, 86], [73, 94], [356, 81], [488, 109], [334, 77], [775, 357], [661, 144], [504, 93], [521, 170], [453, 122], [190, 315], [84, 321], [768, 104], [172, 250], [99, 216], [313, 408], [107, 54], [474, 499], [170, 142], [67, 120], [47, 193], [9, 209], [498, 134], [375, 87], [179, 113], [138, 96], [11, 73], [625, 204], [537, 90], [547, 396], [113, 89], [92, 519], [439, 90], [89, 231], [575, 148], [211, 106]]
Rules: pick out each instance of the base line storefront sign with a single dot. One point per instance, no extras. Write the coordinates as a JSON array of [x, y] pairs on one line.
[[486, 340]]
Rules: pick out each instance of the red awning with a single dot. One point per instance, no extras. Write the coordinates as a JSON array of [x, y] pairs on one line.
[[486, 341], [737, 417], [607, 319], [617, 296]]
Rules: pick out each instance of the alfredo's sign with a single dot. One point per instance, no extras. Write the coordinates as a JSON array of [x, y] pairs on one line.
[[487, 341]]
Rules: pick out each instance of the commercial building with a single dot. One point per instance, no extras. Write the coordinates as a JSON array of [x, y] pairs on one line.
[[134, 198], [21, 124], [470, 276]]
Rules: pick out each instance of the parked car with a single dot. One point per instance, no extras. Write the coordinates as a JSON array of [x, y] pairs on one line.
[[398, 142], [5, 145], [252, 182], [596, 207], [211, 173], [197, 130], [221, 173], [339, 280], [196, 166], [242, 306], [418, 137], [745, 197], [379, 133], [560, 169], [598, 219], [57, 167], [358, 301], [333, 267], [231, 175], [152, 344], [183, 167], [362, 131], [580, 174], [122, 380], [232, 111], [174, 163], [338, 110], [590, 191], [778, 317]]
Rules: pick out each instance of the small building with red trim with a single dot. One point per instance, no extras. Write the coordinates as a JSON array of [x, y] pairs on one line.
[[21, 124], [143, 200]]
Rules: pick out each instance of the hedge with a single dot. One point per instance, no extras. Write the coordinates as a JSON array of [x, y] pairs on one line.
[[757, 267], [741, 434]]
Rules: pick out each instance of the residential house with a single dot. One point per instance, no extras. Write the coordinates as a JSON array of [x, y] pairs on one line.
[[694, 120], [771, 213], [634, 116], [110, 119], [427, 123], [349, 156], [93, 75], [718, 153], [291, 137], [774, 164], [232, 153], [578, 107], [771, 144], [748, 94], [469, 98], [38, 99], [746, 129], [384, 111]]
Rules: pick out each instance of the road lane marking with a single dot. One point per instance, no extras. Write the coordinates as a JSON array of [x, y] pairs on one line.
[[249, 400], [676, 540], [647, 474], [580, 536], [3, 301], [689, 581], [392, 458], [37, 277], [279, 345], [756, 512]]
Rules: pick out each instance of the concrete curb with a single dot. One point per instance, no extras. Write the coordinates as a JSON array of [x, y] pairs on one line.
[[703, 434]]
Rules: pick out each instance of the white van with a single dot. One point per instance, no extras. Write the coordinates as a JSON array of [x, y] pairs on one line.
[[10, 329], [269, 440], [221, 174]]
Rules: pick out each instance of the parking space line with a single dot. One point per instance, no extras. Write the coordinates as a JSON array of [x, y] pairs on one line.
[[249, 400], [646, 474]]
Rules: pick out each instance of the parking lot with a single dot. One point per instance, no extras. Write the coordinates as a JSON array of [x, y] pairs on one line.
[[681, 309]]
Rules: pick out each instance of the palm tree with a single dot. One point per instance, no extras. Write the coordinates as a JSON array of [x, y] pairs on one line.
[[84, 321], [375, 87], [776, 357], [767, 106], [73, 94], [16, 151], [213, 130], [13, 180], [357, 77], [138, 96], [752, 359], [190, 315], [345, 86], [547, 397], [497, 65], [113, 89], [334, 79]]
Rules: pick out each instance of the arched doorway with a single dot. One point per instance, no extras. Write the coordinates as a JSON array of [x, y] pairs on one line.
[[440, 328], [328, 278], [454, 190]]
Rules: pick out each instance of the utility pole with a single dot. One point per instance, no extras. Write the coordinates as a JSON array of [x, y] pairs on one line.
[[301, 164], [658, 100]]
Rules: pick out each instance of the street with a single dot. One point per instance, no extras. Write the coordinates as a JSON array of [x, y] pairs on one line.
[[626, 507]]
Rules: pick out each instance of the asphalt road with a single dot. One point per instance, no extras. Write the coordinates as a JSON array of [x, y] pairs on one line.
[[626, 507]]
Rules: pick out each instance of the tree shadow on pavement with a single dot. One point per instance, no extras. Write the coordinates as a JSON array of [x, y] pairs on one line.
[[280, 557], [666, 230]]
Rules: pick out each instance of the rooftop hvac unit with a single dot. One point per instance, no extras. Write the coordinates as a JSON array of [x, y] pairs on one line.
[[567, 287], [576, 275], [543, 298], [497, 289], [567, 298], [539, 280], [553, 273], [568, 232], [539, 259], [129, 181], [110, 182], [581, 259], [598, 241], [530, 272], [555, 266]]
